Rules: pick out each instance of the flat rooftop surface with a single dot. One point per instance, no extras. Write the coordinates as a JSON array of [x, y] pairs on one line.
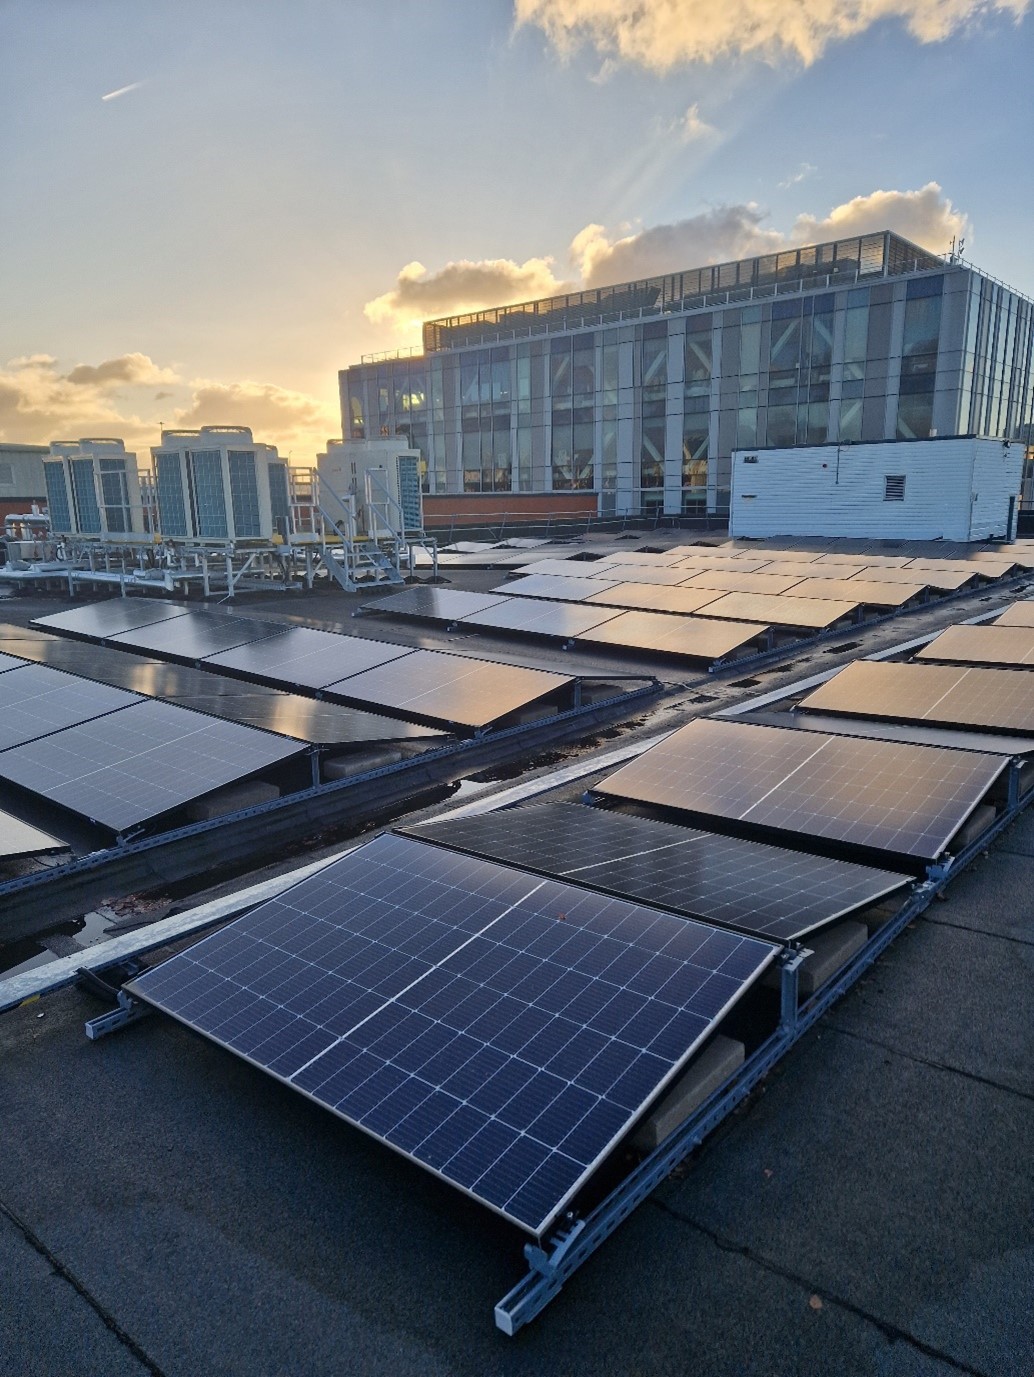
[[165, 1208]]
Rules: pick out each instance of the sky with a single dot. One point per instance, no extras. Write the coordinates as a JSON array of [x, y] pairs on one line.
[[209, 207]]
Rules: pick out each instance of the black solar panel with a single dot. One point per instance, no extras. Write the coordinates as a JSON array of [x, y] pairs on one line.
[[35, 700], [102, 619], [654, 597], [443, 688], [502, 1030], [541, 618], [135, 764], [988, 743], [884, 796], [764, 890], [18, 838], [781, 610], [434, 604], [951, 695], [303, 658], [195, 635]]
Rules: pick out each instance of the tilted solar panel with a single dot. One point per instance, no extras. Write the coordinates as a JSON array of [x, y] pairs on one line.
[[36, 700], [884, 796], [502, 1030], [996, 644], [99, 620], [195, 635], [951, 695], [305, 658], [761, 889], [134, 764], [434, 604]]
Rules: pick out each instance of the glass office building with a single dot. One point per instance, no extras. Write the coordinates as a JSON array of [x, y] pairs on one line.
[[641, 392]]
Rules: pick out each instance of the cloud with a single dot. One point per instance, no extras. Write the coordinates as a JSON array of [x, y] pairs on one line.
[[713, 236], [39, 404], [691, 127], [127, 369], [123, 90], [804, 171], [663, 34], [927, 217], [293, 421], [462, 286]]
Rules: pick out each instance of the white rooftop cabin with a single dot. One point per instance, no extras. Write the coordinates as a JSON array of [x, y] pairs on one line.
[[962, 488]]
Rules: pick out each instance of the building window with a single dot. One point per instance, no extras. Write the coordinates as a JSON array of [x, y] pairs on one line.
[[894, 487]]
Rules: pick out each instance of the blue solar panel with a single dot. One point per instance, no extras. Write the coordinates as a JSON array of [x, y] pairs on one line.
[[501, 1029]]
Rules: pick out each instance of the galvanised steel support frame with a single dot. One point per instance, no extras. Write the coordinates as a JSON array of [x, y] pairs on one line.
[[576, 1239]]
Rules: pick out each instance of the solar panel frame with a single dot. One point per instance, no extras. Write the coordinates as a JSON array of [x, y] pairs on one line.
[[435, 1002], [305, 658], [767, 891], [881, 796], [36, 701], [131, 766]]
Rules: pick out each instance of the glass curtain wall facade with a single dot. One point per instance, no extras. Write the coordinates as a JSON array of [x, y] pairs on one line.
[[642, 391]]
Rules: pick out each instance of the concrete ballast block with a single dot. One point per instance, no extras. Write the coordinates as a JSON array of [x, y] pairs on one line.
[[248, 794], [701, 1078]]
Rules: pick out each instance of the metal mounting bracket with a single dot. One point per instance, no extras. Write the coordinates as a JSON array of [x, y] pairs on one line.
[[129, 1010]]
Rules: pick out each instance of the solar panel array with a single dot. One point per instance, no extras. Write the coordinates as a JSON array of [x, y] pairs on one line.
[[96, 621], [883, 796], [1019, 614], [761, 889], [502, 1030], [346, 668], [954, 696]]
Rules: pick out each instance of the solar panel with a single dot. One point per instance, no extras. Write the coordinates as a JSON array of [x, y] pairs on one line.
[[1019, 614], [982, 645], [798, 556], [99, 620], [948, 581], [730, 581], [306, 658], [565, 568], [502, 1030], [811, 613], [561, 590], [871, 591], [803, 570], [761, 889], [951, 695], [888, 561], [654, 597], [444, 688], [194, 636], [137, 763], [11, 662], [35, 700], [729, 564], [645, 558], [971, 568], [541, 618], [18, 838], [901, 799], [434, 604], [686, 636], [310, 719], [646, 573]]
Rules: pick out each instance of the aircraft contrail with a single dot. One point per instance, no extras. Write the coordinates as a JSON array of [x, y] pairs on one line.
[[123, 90]]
